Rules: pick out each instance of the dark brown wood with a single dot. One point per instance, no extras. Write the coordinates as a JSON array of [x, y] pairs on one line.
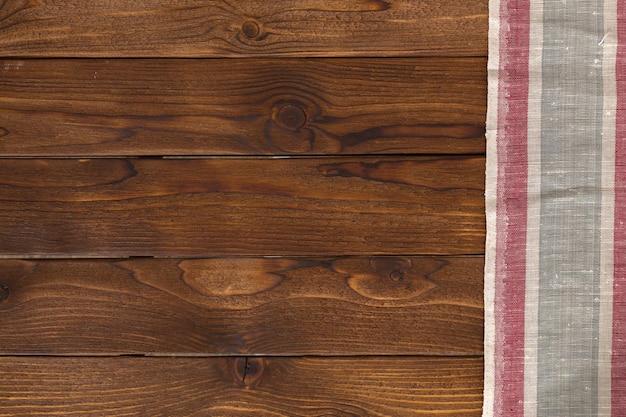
[[260, 106], [376, 305], [209, 207], [252, 306], [218, 28], [234, 387]]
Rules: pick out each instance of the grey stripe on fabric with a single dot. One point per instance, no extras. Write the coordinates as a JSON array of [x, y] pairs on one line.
[[569, 240]]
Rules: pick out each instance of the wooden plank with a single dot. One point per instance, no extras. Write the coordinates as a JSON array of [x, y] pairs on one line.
[[375, 305], [211, 207], [219, 28], [356, 386], [261, 106]]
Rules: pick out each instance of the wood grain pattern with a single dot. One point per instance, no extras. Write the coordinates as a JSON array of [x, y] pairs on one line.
[[281, 286], [376, 305], [210, 207], [247, 107], [229, 387], [219, 28]]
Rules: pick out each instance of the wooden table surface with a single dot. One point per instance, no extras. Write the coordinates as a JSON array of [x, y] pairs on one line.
[[242, 208]]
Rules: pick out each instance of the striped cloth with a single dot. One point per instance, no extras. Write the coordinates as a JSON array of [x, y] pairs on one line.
[[555, 281]]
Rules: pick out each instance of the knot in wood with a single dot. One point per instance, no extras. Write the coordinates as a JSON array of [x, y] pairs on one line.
[[396, 276], [291, 117], [248, 371], [250, 29], [4, 292]]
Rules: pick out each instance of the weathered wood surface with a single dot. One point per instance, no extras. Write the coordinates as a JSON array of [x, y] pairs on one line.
[[219, 306], [248, 106], [219, 28], [357, 386], [210, 207], [223, 320]]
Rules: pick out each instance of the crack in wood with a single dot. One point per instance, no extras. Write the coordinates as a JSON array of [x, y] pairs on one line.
[[246, 368]]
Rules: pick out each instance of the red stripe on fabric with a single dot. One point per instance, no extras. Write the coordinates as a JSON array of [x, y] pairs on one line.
[[618, 363], [511, 208]]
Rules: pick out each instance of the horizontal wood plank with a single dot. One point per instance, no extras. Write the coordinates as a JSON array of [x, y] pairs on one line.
[[212, 207], [219, 28], [358, 386], [245, 107], [375, 305]]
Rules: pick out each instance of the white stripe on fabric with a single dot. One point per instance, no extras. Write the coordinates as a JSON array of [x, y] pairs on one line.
[[531, 307], [605, 333], [490, 205]]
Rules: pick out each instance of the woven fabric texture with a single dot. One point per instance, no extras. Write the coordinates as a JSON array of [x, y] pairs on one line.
[[555, 277]]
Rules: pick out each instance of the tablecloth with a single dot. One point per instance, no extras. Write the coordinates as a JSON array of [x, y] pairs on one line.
[[555, 275]]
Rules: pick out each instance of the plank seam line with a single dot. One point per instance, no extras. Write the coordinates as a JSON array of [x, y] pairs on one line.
[[247, 356], [240, 57]]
